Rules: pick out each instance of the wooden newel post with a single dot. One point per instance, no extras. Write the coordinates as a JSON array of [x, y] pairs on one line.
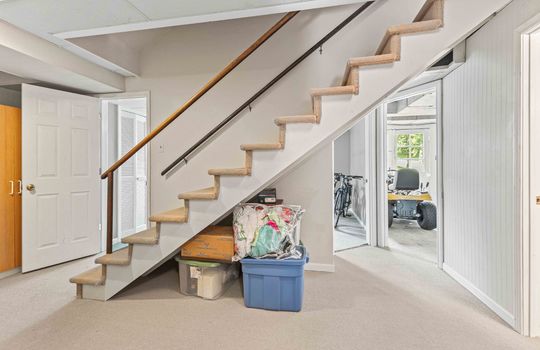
[[110, 199]]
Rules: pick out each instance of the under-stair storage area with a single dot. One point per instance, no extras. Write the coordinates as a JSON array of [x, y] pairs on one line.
[[10, 188]]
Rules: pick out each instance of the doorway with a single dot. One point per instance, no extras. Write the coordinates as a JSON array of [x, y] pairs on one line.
[[411, 147], [125, 122], [352, 171]]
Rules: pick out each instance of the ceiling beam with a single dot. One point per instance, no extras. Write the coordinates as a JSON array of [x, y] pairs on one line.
[[48, 62]]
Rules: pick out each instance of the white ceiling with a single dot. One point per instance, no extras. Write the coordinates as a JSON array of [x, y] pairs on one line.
[[75, 18], [423, 104], [7, 79], [134, 105], [60, 20]]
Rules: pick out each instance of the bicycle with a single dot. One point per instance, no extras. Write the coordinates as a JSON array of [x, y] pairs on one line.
[[342, 194]]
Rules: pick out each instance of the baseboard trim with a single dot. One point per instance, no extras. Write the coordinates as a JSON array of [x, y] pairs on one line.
[[320, 267], [10, 272], [484, 298], [359, 221]]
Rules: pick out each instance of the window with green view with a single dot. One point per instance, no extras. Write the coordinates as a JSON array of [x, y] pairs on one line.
[[410, 146]]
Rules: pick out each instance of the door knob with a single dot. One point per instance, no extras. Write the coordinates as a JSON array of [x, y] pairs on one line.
[[30, 187]]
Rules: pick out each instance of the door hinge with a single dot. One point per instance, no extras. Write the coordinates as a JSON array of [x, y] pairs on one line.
[[99, 171], [99, 227]]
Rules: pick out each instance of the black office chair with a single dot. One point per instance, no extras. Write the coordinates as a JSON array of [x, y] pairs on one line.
[[407, 180]]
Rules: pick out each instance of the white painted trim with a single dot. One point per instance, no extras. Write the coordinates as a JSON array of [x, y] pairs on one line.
[[382, 202], [440, 175], [212, 17], [9, 273], [525, 319], [320, 267], [371, 155], [499, 310], [359, 220], [78, 73]]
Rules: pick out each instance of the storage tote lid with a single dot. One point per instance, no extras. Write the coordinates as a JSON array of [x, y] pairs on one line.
[[197, 263]]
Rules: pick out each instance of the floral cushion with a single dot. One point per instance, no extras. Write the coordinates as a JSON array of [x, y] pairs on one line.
[[259, 229]]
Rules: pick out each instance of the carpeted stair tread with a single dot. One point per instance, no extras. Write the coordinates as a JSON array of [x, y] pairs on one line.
[[229, 171], [148, 236], [296, 119], [119, 257], [334, 90], [261, 146], [174, 215], [205, 193], [94, 277]]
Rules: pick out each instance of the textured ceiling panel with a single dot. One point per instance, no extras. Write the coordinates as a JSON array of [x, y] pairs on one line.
[[54, 16], [187, 8]]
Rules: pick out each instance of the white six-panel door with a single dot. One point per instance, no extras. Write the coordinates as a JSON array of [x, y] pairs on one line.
[[60, 161]]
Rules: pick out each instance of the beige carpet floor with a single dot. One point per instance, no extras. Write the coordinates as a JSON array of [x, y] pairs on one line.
[[407, 237], [376, 299]]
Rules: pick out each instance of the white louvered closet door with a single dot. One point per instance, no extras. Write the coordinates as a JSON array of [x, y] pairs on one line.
[[132, 181]]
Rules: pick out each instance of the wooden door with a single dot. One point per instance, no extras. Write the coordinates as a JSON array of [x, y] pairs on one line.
[[10, 188]]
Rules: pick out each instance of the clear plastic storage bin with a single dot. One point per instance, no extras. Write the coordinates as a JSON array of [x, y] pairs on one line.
[[208, 280]]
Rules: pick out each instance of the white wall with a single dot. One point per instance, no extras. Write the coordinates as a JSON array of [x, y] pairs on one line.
[[478, 143], [310, 185], [10, 97], [342, 153]]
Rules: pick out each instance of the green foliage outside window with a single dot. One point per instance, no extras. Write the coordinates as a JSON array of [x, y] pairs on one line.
[[410, 146]]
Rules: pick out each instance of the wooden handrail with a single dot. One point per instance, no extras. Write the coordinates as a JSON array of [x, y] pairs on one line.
[[201, 92], [220, 126]]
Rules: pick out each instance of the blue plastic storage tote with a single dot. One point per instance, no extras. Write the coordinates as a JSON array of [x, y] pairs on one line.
[[274, 284]]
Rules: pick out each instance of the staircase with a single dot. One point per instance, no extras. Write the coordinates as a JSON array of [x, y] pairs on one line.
[[404, 51]]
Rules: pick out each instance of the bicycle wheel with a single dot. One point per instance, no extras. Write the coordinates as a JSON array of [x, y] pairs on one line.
[[338, 202], [347, 201]]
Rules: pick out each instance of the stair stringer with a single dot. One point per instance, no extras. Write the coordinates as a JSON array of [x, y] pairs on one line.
[[144, 258], [339, 113]]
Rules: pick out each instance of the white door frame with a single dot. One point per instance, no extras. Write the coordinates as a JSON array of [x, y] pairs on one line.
[[381, 185], [526, 265], [382, 202], [371, 177], [125, 96]]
